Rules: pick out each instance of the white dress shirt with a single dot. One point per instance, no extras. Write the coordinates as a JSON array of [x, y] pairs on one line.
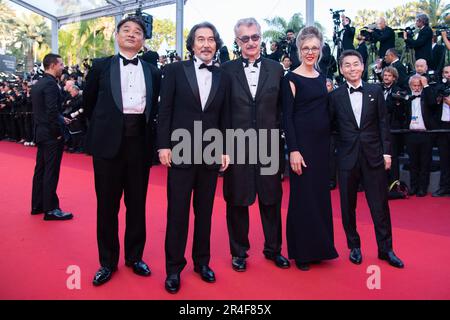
[[132, 83], [417, 123], [252, 74], [204, 80], [445, 112], [356, 99]]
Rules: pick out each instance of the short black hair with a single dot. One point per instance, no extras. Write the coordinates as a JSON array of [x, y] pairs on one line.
[[134, 19], [290, 30], [191, 37], [349, 53], [393, 51], [50, 59]]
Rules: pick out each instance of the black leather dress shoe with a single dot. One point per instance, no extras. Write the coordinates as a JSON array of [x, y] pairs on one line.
[[421, 194], [206, 273], [280, 261], [302, 266], [239, 264], [355, 256], [172, 283], [139, 267], [57, 214], [35, 211], [391, 258], [103, 275], [441, 193]]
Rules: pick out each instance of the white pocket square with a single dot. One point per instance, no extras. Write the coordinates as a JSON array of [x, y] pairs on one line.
[[372, 100]]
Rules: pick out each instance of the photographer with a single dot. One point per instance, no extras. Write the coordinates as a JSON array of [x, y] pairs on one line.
[[421, 46], [383, 34], [277, 53], [292, 50], [445, 40], [346, 35], [391, 58], [443, 139], [438, 56], [362, 49], [396, 114]]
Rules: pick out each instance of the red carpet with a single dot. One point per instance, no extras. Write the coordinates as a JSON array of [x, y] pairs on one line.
[[36, 254]]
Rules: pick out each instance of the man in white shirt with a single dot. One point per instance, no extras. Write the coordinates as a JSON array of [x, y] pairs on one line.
[[120, 99]]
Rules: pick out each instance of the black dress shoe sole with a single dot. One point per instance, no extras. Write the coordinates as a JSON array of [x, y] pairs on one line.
[[37, 212], [278, 265], [205, 279], [239, 269], [172, 291], [357, 262], [52, 218], [390, 263], [142, 274]]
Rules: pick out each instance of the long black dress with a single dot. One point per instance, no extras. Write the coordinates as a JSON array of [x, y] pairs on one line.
[[307, 127]]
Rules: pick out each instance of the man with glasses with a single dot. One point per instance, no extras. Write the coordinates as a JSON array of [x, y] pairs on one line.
[[254, 105]]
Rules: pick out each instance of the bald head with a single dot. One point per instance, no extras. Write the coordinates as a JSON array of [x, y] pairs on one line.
[[381, 23], [421, 66]]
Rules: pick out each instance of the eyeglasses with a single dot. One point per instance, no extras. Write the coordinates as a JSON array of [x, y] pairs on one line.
[[254, 37], [313, 50]]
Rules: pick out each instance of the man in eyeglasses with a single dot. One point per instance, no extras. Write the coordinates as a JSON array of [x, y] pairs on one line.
[[254, 105]]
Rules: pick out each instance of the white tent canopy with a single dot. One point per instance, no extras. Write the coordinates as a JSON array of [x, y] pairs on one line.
[[62, 12]]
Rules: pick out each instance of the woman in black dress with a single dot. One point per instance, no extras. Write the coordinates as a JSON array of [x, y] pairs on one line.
[[306, 120]]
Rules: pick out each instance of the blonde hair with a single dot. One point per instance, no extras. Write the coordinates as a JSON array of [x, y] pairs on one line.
[[308, 33]]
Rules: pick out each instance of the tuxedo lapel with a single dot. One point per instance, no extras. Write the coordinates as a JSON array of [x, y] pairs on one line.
[[242, 78], [148, 89], [216, 76], [189, 70], [116, 82], [263, 75], [366, 96]]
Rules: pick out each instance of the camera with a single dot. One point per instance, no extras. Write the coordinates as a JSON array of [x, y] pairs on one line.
[[336, 16], [444, 90], [171, 55], [409, 32], [443, 27], [368, 36], [400, 96]]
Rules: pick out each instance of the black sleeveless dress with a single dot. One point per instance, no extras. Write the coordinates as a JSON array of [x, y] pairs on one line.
[[306, 123]]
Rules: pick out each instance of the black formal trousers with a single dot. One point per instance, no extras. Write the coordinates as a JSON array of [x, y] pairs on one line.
[[46, 175], [127, 173], [443, 141], [419, 146], [198, 182], [238, 227], [374, 181]]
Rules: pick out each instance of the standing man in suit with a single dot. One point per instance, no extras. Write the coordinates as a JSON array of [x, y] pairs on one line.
[[193, 92], [359, 112], [385, 35], [362, 49], [438, 53], [48, 132], [421, 45], [392, 60], [120, 99], [254, 105]]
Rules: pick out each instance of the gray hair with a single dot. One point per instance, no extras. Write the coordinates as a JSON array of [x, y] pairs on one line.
[[248, 22], [306, 34], [415, 77], [424, 18]]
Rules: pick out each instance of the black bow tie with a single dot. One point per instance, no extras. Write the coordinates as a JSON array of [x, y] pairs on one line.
[[359, 89], [386, 88], [414, 97], [128, 61], [204, 66], [255, 64]]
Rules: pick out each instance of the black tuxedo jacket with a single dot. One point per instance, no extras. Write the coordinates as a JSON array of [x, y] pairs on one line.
[[181, 106], [438, 59], [403, 77], [396, 110], [422, 46], [243, 181], [371, 138], [102, 99], [348, 38], [46, 100]]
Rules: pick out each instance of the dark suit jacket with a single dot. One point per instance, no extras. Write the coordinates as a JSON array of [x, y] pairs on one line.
[[46, 100], [438, 59], [181, 106], [422, 46], [386, 37], [102, 99], [348, 38], [396, 110], [371, 138], [402, 75], [242, 182], [151, 57]]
